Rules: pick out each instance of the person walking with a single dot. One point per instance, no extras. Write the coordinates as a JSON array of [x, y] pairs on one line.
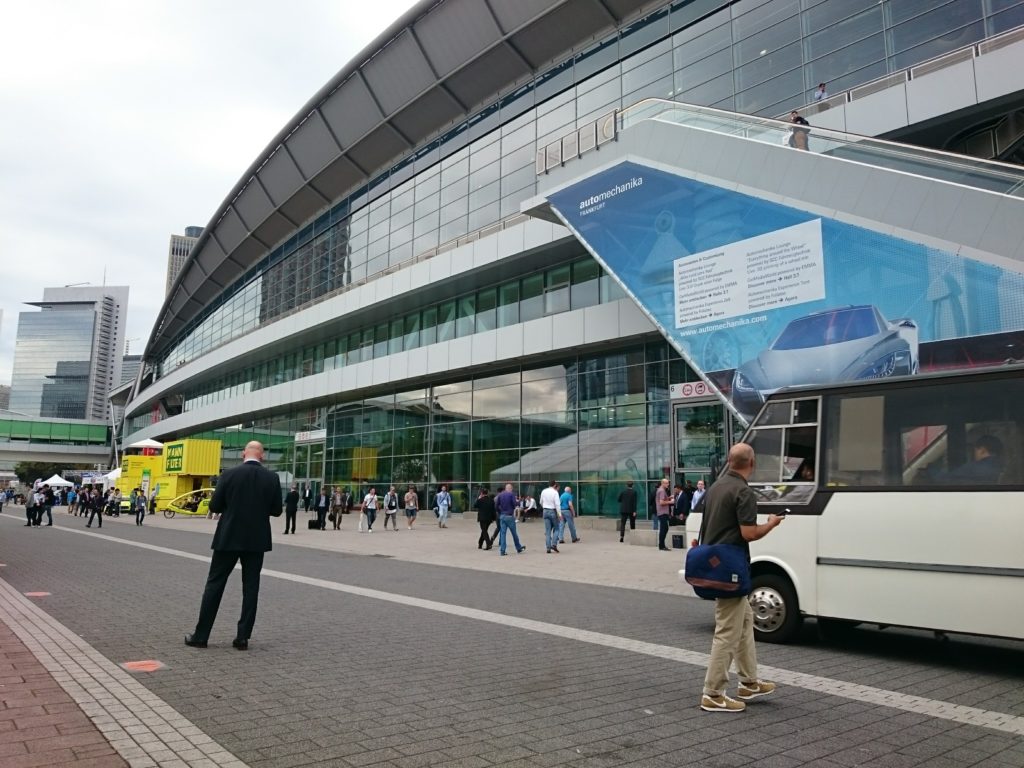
[[485, 515], [323, 501], [565, 504], [291, 508], [730, 517], [370, 501], [140, 508], [307, 497], [505, 505], [412, 506], [335, 516], [391, 509], [663, 504], [551, 508], [627, 510], [246, 497], [47, 506], [93, 507], [443, 502]]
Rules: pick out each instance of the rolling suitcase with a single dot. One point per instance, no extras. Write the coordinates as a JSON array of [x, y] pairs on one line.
[[313, 525]]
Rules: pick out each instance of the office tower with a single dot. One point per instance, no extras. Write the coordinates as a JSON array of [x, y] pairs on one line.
[[67, 356], [177, 252], [129, 368]]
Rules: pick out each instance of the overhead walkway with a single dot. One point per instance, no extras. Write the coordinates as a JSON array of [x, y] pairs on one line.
[[771, 258]]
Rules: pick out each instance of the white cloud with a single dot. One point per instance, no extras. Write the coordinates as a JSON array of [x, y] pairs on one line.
[[127, 121]]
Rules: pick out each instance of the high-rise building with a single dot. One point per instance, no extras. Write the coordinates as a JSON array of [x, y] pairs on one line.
[[178, 251], [130, 365], [5, 397], [68, 355]]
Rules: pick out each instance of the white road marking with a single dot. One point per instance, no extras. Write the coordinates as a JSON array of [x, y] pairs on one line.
[[944, 710]]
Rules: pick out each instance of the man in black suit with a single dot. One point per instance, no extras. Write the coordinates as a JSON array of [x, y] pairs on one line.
[[246, 498], [323, 501], [291, 509]]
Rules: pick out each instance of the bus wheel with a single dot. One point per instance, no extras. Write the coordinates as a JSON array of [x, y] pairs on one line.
[[776, 612]]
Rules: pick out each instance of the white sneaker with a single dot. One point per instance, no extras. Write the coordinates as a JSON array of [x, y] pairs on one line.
[[721, 704]]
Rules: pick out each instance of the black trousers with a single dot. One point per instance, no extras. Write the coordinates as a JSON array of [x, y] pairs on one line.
[[289, 520], [221, 566], [623, 519], [321, 517], [662, 530], [485, 539], [99, 516]]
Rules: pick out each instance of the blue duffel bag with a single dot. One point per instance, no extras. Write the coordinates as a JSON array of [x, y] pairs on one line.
[[718, 570]]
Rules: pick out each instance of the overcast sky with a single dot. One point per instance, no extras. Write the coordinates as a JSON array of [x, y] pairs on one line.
[[126, 121]]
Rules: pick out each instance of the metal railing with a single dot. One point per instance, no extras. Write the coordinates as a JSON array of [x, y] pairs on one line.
[[935, 164]]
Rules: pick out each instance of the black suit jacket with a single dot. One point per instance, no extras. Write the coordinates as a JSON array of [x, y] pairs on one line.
[[246, 498]]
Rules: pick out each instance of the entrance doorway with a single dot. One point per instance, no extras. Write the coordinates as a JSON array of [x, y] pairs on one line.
[[702, 433], [308, 468]]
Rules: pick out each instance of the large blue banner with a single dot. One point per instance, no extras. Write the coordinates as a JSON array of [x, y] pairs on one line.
[[760, 296]]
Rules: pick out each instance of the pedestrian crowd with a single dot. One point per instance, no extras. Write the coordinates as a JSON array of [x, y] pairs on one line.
[[89, 501]]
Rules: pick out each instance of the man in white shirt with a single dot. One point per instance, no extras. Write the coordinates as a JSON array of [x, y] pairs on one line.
[[550, 506], [821, 94]]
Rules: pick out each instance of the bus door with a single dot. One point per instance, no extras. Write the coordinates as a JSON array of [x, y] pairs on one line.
[[702, 432]]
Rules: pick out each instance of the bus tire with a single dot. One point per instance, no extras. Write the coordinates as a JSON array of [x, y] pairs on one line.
[[776, 610]]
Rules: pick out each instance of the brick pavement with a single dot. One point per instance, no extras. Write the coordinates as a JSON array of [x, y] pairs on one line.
[[341, 679], [40, 724]]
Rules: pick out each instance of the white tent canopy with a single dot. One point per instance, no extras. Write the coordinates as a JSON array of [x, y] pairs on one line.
[[57, 480], [114, 474], [147, 443]]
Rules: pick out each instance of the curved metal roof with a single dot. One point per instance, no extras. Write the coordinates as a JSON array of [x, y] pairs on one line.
[[436, 65]]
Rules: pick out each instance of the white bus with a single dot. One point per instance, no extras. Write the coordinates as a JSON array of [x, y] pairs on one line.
[[904, 501]]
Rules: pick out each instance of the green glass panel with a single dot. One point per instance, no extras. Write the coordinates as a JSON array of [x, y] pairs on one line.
[[40, 430], [79, 433]]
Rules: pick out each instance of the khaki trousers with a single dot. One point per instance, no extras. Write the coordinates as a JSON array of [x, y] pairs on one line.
[[734, 640]]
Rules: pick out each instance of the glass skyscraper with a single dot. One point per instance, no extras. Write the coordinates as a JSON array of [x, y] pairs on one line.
[[67, 356]]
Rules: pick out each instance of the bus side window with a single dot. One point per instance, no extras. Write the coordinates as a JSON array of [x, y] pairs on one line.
[[785, 442], [854, 454]]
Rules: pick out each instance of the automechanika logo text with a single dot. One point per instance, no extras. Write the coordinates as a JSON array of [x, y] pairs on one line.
[[596, 202]]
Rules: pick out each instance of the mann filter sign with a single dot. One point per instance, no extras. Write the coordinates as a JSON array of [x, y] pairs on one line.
[[174, 458], [192, 457], [758, 296]]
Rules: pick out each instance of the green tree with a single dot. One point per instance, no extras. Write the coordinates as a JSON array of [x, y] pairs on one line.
[[28, 471]]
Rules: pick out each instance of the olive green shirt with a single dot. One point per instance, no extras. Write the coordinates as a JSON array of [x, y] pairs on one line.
[[729, 504]]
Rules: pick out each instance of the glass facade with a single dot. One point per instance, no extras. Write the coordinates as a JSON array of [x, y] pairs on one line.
[[571, 286], [52, 362], [754, 56], [593, 421], [65, 433]]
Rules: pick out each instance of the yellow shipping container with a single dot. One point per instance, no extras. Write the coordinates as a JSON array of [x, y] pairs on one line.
[[197, 458], [133, 468]]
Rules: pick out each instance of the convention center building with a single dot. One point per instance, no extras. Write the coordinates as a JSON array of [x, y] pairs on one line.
[[462, 261]]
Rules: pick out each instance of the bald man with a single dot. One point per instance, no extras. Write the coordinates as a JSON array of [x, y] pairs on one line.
[[730, 517], [246, 497]]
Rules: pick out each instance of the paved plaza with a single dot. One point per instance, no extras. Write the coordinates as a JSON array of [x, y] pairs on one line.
[[417, 649]]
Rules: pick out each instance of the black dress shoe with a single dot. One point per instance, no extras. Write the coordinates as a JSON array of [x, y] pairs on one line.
[[242, 645], [193, 643]]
